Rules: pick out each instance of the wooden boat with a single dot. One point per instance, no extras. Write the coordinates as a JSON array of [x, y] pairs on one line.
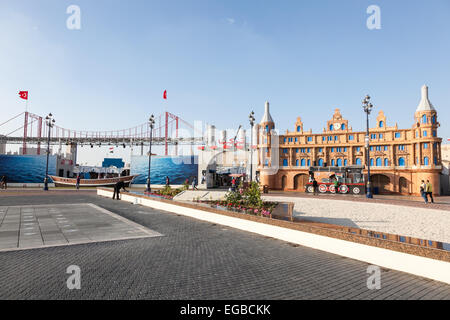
[[72, 182]]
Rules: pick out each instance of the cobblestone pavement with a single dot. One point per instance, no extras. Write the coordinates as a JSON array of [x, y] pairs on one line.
[[193, 260]]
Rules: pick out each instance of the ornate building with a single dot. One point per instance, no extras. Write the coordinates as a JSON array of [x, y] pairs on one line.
[[399, 158]]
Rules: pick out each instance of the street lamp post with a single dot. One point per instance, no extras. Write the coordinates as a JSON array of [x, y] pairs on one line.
[[367, 106], [251, 118], [50, 123], [151, 123]]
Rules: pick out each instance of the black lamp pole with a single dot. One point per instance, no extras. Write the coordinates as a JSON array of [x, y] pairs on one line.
[[251, 118], [151, 123], [50, 123], [367, 106]]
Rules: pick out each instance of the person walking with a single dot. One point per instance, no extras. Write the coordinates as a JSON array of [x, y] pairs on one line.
[[167, 181], [423, 191], [336, 185], [194, 183], [429, 191], [233, 184], [314, 183], [78, 181], [3, 182], [119, 185]]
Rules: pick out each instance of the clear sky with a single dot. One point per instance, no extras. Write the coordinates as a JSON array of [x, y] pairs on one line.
[[218, 60]]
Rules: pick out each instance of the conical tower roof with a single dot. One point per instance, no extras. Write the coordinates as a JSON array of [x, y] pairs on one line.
[[425, 104], [266, 117]]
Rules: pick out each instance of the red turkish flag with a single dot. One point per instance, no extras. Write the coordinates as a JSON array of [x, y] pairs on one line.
[[23, 95], [165, 94]]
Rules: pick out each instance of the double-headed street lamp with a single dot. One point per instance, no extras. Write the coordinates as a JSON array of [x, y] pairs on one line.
[[151, 123], [367, 106], [50, 123], [251, 118]]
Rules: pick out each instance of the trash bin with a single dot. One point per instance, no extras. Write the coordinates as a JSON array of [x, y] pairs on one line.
[[265, 189]]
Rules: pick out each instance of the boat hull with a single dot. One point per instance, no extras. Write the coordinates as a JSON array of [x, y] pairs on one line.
[[108, 182]]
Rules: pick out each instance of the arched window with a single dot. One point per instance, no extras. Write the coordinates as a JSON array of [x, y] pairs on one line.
[[345, 162], [433, 119], [339, 162], [401, 162], [381, 124], [358, 161], [371, 162], [296, 162], [386, 162], [267, 128], [426, 161], [285, 162], [309, 163], [332, 163], [320, 162], [303, 163], [379, 162], [299, 128], [424, 118], [331, 127], [343, 127]]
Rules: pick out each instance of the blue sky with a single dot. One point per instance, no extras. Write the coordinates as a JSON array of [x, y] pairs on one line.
[[221, 59]]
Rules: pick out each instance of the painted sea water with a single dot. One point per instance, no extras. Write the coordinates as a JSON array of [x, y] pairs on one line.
[[178, 168], [27, 168]]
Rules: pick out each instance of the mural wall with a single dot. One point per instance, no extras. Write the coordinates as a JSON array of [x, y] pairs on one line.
[[26, 168], [177, 168]]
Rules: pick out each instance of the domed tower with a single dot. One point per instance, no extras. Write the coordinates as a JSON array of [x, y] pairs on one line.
[[268, 148]]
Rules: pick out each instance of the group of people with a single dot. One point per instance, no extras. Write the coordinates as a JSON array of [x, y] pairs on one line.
[[194, 183], [426, 190]]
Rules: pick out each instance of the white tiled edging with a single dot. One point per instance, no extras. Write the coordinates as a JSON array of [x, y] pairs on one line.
[[420, 266]]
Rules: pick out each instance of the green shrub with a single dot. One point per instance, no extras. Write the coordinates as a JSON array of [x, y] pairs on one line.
[[233, 197], [253, 195]]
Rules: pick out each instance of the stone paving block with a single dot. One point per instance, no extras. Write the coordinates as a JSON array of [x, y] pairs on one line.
[[42, 225]]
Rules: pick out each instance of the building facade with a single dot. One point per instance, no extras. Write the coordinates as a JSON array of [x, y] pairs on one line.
[[399, 158]]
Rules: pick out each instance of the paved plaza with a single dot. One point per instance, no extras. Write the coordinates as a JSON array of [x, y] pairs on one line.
[[36, 226], [400, 215], [192, 260], [425, 222]]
